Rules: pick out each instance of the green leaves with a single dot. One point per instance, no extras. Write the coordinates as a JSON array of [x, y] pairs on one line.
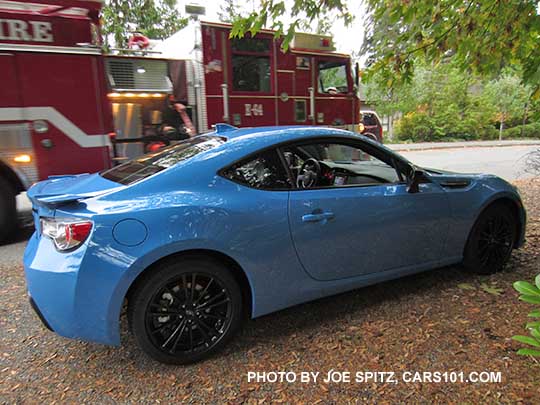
[[530, 293], [526, 288], [302, 14], [527, 340]]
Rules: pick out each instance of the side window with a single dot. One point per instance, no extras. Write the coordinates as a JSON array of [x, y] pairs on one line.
[[251, 64], [264, 171], [333, 77], [337, 164]]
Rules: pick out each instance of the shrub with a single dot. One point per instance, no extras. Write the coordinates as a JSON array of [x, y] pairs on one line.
[[530, 293], [531, 130], [418, 126]]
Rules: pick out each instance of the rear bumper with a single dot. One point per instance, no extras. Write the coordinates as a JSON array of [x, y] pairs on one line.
[[38, 313], [71, 292]]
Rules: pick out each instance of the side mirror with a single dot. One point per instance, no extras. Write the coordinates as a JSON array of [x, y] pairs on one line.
[[413, 179]]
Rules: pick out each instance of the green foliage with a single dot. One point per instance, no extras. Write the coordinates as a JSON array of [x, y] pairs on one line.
[[303, 13], [441, 103], [481, 36], [531, 130], [438, 104], [506, 96], [530, 293], [157, 19]]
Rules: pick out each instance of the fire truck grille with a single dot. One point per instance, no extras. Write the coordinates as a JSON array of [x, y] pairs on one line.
[[138, 75]]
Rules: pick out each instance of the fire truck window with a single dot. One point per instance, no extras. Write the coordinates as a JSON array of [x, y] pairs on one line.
[[250, 45], [251, 64], [251, 73], [333, 77], [300, 110]]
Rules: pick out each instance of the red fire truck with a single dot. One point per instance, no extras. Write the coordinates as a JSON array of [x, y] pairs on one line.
[[61, 97]]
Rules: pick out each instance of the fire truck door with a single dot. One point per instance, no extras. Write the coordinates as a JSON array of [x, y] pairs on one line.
[[285, 102]]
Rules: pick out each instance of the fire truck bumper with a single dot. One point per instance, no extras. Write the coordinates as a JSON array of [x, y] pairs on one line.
[[68, 293]]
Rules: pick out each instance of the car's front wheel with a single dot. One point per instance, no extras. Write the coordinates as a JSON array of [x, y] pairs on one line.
[[491, 240], [185, 310]]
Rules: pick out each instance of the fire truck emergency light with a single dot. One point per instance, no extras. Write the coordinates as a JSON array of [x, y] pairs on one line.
[[24, 158], [135, 95]]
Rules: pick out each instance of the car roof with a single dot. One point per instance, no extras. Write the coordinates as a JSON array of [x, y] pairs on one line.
[[277, 134], [244, 141]]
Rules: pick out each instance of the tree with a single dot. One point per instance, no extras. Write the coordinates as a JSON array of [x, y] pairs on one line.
[[482, 36], [440, 102], [508, 98], [303, 14], [229, 11], [157, 19]]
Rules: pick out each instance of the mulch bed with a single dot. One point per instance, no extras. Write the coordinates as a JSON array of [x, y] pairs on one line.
[[443, 320]]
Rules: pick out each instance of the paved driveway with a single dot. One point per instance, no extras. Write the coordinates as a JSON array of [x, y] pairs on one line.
[[507, 162]]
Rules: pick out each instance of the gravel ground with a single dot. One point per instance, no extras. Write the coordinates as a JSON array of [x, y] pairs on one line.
[[444, 320]]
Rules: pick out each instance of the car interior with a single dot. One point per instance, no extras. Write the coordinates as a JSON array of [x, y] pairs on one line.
[[335, 165], [314, 165]]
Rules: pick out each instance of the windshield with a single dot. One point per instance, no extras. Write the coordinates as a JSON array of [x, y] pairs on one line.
[[147, 165], [333, 77]]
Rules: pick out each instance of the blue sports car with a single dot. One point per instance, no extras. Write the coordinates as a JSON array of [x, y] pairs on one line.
[[244, 222]]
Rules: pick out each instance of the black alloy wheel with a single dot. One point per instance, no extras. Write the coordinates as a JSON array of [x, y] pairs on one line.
[[185, 311], [491, 241]]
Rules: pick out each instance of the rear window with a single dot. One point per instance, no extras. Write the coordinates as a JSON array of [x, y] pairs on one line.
[[147, 165]]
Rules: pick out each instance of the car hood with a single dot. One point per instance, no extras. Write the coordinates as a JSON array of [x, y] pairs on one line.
[[58, 190]]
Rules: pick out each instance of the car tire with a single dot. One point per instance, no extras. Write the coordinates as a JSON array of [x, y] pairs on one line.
[[8, 210], [491, 240], [185, 310]]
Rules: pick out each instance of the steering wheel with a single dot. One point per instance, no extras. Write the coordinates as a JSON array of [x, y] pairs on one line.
[[309, 173]]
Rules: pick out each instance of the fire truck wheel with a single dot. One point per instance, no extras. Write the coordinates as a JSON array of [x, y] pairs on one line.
[[8, 210]]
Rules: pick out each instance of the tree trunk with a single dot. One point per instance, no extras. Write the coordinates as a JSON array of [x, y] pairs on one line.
[[525, 113], [501, 130]]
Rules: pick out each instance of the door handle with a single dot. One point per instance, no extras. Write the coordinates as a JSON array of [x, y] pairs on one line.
[[317, 217]]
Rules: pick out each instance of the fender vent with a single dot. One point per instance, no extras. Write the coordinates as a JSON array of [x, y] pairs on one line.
[[455, 183]]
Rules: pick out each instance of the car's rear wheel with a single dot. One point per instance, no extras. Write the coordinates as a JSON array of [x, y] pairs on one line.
[[491, 240], [185, 311]]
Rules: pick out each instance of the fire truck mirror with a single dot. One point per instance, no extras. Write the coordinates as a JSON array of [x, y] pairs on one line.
[[47, 143], [40, 126]]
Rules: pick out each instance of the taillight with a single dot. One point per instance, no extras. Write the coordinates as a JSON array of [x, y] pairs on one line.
[[380, 133], [66, 233]]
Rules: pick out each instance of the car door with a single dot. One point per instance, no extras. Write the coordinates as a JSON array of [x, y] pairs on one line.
[[359, 218]]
